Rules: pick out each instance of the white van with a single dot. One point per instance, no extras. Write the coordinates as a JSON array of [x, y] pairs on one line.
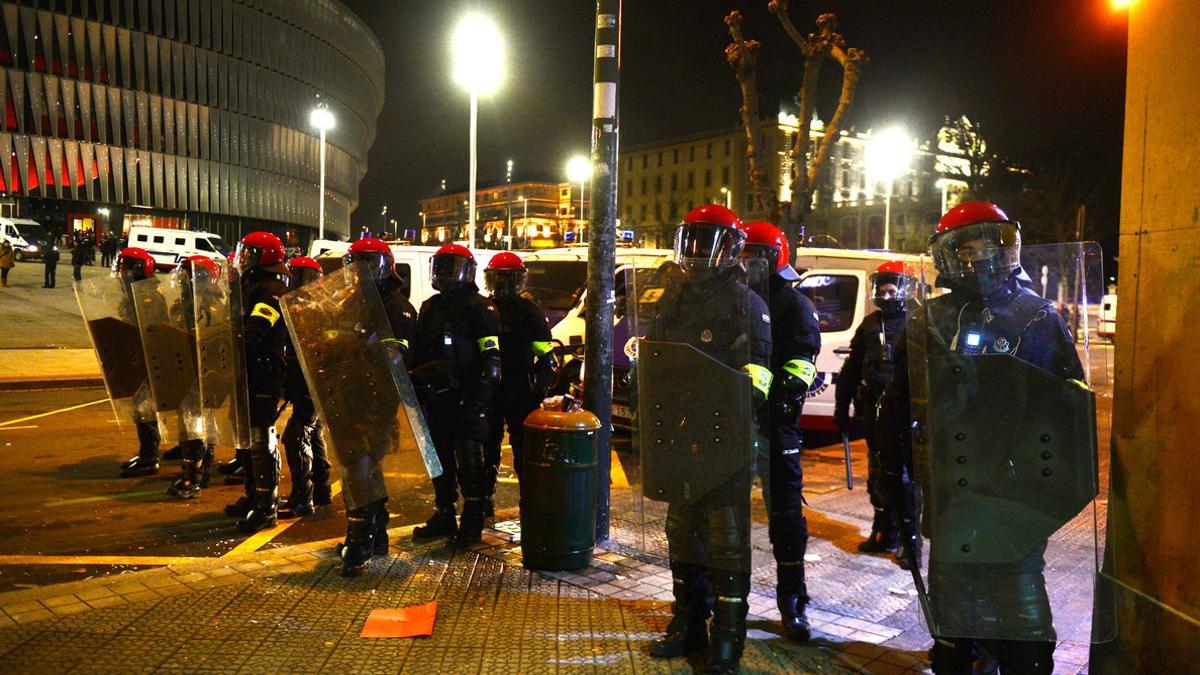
[[169, 246], [1107, 328], [412, 264], [28, 238], [838, 283]]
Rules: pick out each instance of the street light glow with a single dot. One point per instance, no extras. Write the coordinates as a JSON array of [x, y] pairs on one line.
[[889, 154], [1122, 5], [579, 169], [322, 118], [478, 54]]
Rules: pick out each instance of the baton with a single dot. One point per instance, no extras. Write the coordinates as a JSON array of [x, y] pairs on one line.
[[846, 446]]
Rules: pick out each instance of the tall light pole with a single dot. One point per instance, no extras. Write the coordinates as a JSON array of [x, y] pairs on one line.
[[728, 197], [579, 170], [383, 219], [322, 118], [478, 67], [508, 180], [888, 158]]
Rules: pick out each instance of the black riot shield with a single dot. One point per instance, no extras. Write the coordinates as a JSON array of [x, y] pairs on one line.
[[107, 308], [697, 360], [166, 321], [359, 383], [221, 359], [1004, 449]]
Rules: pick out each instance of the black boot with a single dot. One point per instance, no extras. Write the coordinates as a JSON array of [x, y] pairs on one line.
[[883, 537], [470, 528], [187, 486], [242, 506], [174, 454], [231, 467], [264, 473], [441, 524], [356, 549], [791, 596], [146, 461], [295, 508], [728, 631], [322, 495], [206, 466], [688, 630], [902, 555], [381, 522]]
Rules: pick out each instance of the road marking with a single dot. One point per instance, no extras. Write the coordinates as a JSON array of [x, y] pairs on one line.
[[52, 412], [617, 473], [263, 537], [104, 498], [23, 426], [96, 560]]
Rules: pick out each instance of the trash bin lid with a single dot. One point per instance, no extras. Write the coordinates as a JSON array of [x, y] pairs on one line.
[[579, 420]]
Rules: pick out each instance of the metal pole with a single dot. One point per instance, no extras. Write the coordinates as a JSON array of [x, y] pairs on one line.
[[321, 216], [471, 189], [598, 356], [887, 218]]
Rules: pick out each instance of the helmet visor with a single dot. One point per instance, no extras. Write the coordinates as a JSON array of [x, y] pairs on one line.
[[707, 244], [378, 264], [505, 282], [979, 254], [246, 258], [131, 269], [890, 290], [449, 271], [303, 276]]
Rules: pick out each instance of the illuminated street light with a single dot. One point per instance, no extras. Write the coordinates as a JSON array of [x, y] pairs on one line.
[[579, 170], [888, 157], [479, 68], [322, 118], [1122, 5], [728, 197]]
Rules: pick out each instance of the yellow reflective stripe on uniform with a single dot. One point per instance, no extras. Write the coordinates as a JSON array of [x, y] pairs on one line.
[[265, 311], [541, 348], [489, 342], [760, 377], [1083, 385], [400, 341], [805, 370]]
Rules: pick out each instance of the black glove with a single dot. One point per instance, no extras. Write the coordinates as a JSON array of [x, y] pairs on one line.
[[472, 422], [841, 417]]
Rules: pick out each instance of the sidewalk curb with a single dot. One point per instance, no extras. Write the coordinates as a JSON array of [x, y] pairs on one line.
[[85, 382]]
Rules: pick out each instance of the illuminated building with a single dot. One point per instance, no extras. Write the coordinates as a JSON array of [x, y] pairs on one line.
[[545, 213]]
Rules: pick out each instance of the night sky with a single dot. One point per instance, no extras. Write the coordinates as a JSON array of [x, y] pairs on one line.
[[1029, 69]]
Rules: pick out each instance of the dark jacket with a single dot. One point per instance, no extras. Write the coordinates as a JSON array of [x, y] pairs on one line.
[[871, 363], [457, 335], [266, 340], [524, 343]]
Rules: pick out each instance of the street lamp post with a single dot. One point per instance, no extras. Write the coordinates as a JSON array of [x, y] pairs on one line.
[[478, 66], [728, 197], [579, 170], [322, 118], [888, 158], [508, 181]]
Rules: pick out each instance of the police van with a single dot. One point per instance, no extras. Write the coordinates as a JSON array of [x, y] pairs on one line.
[[168, 246], [28, 238], [1107, 327], [412, 264]]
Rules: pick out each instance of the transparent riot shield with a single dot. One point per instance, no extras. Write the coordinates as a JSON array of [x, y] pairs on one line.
[[107, 307], [166, 321], [359, 383], [221, 358], [1005, 463], [699, 346]]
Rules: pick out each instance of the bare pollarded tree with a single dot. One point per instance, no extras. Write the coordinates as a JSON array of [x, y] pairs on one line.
[[817, 49]]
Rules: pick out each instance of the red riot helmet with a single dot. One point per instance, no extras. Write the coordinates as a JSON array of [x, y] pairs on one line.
[[893, 284], [505, 275], [258, 249], [134, 264], [766, 242], [304, 269], [977, 247], [193, 263], [452, 267], [375, 254], [709, 237]]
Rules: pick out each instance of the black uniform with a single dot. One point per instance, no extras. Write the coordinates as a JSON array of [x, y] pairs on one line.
[[456, 367], [795, 343], [50, 261], [145, 422], [709, 538], [1016, 321], [865, 373], [525, 377], [266, 342]]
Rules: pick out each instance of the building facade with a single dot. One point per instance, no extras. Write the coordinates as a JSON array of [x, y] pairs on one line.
[[661, 182], [185, 113], [539, 213]]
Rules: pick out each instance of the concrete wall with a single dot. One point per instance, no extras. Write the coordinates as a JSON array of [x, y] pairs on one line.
[[1153, 548]]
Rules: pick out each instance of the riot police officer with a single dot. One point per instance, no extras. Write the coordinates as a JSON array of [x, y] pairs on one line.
[[795, 343], [1001, 610], [264, 279], [303, 444], [526, 362], [366, 531], [456, 367], [710, 309], [134, 264], [196, 454], [867, 369]]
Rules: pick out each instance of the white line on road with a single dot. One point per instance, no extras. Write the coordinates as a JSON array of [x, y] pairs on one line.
[[52, 412]]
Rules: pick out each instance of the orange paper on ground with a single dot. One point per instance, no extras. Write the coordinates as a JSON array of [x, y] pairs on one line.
[[401, 622]]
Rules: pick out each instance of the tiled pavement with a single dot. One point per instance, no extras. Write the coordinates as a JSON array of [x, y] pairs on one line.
[[287, 610]]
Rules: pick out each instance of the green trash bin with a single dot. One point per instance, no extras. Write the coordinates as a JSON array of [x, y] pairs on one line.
[[558, 489]]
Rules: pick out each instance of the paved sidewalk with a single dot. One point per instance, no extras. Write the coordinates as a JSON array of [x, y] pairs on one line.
[[48, 368]]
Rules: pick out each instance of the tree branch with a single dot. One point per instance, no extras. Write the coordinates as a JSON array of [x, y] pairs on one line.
[[742, 55]]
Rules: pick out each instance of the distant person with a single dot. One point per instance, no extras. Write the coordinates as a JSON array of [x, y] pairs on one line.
[[7, 260], [50, 260], [78, 258]]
